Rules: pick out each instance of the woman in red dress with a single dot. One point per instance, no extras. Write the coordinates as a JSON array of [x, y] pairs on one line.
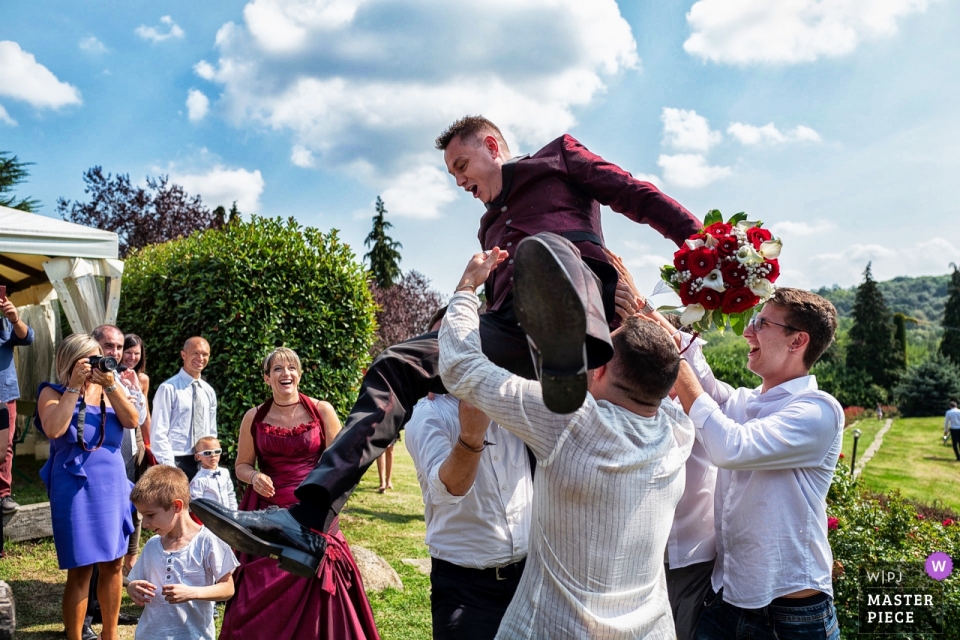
[[284, 437]]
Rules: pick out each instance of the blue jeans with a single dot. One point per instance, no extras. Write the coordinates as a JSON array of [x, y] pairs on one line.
[[720, 620]]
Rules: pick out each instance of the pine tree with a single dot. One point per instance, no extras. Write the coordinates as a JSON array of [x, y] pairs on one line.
[[950, 344], [900, 339], [384, 256], [12, 173], [871, 348]]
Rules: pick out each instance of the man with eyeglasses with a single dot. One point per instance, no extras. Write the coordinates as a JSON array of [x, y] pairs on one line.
[[776, 448]]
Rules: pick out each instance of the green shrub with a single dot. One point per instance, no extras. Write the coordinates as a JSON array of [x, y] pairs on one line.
[[727, 356], [248, 288], [926, 388], [871, 531]]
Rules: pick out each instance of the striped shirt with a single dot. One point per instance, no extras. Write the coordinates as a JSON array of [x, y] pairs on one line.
[[606, 486]]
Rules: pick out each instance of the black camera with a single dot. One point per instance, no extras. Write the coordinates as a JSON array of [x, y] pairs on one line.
[[105, 364]]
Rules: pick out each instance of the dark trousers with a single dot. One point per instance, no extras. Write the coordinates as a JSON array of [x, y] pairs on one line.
[[187, 464], [392, 385], [6, 461], [687, 588], [955, 436], [468, 604], [723, 621]]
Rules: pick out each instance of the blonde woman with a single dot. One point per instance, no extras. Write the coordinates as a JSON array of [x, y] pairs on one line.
[[84, 416]]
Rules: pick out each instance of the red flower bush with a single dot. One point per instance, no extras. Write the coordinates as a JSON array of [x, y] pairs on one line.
[[948, 522], [832, 522]]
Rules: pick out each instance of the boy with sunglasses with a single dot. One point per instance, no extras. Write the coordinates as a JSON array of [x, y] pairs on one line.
[[211, 481]]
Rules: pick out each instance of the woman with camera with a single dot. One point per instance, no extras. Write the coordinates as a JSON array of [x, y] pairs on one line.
[[84, 417]]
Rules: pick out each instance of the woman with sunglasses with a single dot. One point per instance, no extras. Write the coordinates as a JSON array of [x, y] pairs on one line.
[[84, 418], [280, 443]]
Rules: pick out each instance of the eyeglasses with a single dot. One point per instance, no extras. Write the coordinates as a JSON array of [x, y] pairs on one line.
[[210, 452], [759, 323]]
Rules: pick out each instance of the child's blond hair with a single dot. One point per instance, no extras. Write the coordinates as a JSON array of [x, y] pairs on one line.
[[160, 486], [204, 441]]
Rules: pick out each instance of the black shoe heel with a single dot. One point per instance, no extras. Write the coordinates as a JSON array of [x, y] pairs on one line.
[[299, 563]]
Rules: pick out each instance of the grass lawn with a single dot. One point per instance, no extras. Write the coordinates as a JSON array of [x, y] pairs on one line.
[[868, 430], [913, 461], [389, 524]]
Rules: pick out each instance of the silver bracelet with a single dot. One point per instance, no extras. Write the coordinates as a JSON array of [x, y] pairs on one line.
[[72, 390]]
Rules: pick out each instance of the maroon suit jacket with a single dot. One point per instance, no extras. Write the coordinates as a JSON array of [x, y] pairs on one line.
[[560, 189]]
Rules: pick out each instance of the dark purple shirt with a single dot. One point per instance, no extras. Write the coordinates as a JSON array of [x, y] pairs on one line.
[[560, 189]]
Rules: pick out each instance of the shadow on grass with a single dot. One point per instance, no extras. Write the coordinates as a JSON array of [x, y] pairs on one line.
[[939, 459], [386, 516]]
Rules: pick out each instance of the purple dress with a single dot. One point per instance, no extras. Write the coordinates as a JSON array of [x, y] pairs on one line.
[[271, 604], [89, 491]]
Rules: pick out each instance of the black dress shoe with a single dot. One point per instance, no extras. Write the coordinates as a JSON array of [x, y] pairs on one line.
[[88, 633], [552, 314], [269, 533]]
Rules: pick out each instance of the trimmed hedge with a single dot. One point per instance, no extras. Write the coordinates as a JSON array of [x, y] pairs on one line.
[[248, 288]]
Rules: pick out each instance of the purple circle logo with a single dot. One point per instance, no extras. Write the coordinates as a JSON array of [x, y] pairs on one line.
[[939, 565]]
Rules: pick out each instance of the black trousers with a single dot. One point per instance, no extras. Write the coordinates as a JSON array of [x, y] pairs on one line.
[[955, 436], [187, 464], [396, 380], [468, 604]]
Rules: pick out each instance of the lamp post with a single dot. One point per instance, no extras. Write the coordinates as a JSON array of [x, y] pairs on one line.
[[853, 458]]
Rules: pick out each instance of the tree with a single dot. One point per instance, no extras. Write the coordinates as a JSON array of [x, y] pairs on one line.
[[161, 212], [926, 388], [950, 343], [248, 288], [871, 347], [12, 173], [222, 217], [384, 256], [900, 339], [405, 309]]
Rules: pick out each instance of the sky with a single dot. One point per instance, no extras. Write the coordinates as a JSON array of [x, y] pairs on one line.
[[832, 121]]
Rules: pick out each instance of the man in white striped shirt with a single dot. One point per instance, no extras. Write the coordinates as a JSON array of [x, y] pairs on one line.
[[608, 475]]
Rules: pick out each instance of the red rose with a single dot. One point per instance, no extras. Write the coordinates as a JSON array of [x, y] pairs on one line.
[[919, 516], [710, 299], [681, 257], [702, 261], [833, 523], [947, 522], [734, 274], [718, 229], [727, 246], [687, 296], [739, 299], [842, 456], [774, 266], [758, 235]]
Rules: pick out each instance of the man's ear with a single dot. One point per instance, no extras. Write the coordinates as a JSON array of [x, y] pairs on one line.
[[800, 340], [492, 146]]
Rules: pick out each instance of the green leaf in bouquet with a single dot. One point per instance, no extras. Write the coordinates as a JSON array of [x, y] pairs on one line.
[[712, 216], [719, 320], [737, 217], [666, 273], [737, 323], [667, 307]]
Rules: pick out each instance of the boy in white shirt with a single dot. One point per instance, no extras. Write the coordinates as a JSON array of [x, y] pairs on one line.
[[211, 481], [184, 569]]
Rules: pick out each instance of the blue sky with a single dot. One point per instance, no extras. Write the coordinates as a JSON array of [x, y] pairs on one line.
[[833, 121]]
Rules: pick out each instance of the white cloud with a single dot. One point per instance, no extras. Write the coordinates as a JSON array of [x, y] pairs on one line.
[[5, 117], [789, 229], [90, 44], [769, 134], [154, 34], [23, 78], [420, 193], [302, 157], [197, 105], [370, 81], [690, 170], [846, 266], [686, 131], [221, 186], [789, 31], [649, 177]]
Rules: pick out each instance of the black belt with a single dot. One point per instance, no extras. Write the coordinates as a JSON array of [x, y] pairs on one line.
[[582, 236], [493, 574]]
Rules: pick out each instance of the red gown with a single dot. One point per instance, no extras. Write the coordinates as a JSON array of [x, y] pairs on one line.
[[271, 604]]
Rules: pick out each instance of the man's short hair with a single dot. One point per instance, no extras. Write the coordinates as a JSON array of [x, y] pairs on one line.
[[812, 314], [205, 442], [186, 345], [953, 404], [645, 361], [160, 485], [436, 317], [100, 333], [471, 128]]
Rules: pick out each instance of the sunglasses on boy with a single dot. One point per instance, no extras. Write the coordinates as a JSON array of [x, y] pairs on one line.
[[210, 452]]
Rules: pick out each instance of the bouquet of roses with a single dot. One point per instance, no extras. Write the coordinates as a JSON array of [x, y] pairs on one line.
[[724, 272]]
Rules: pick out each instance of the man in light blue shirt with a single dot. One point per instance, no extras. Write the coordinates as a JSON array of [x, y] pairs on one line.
[[951, 424], [776, 448], [13, 333]]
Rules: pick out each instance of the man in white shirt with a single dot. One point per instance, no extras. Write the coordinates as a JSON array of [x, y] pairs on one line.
[[184, 410], [608, 475], [951, 424], [776, 448]]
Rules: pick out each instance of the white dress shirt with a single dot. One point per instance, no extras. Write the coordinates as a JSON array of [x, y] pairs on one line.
[[170, 432], [607, 483], [490, 524], [952, 419], [216, 485], [128, 446], [776, 453]]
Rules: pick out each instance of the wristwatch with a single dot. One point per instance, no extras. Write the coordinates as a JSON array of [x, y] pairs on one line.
[[111, 388]]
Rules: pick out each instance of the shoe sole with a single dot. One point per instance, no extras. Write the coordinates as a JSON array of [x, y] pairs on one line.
[[291, 560], [551, 313]]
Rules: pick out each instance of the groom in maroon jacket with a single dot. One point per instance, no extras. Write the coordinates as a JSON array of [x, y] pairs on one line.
[[557, 190]]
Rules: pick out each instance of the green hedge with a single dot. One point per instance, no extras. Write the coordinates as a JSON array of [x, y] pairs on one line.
[[248, 288]]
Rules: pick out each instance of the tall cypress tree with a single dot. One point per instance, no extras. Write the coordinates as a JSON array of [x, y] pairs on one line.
[[950, 344], [384, 256], [871, 346], [900, 339]]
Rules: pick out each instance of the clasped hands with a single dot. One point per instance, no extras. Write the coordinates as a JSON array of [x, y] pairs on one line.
[[143, 592]]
